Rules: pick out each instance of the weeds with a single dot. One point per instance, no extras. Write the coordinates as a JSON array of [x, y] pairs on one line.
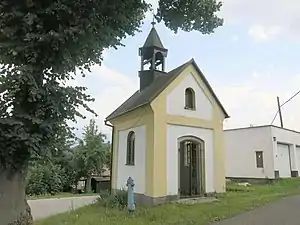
[[118, 199]]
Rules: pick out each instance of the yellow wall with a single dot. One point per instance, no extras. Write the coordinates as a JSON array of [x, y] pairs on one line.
[[138, 117], [161, 119], [160, 146]]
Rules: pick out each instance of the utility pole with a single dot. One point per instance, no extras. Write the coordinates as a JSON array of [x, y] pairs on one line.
[[280, 106], [279, 111]]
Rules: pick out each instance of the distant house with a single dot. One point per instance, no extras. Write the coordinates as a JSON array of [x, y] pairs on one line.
[[102, 181], [98, 182], [262, 152]]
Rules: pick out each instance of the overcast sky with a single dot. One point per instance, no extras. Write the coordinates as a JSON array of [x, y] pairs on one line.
[[249, 61]]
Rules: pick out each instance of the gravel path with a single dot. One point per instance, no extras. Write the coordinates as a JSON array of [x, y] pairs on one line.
[[283, 212], [42, 208]]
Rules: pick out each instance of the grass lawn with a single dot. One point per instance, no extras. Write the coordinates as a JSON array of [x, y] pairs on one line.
[[237, 199], [59, 195]]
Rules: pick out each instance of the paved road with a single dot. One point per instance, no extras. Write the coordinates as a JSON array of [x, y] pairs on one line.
[[282, 212], [42, 208]]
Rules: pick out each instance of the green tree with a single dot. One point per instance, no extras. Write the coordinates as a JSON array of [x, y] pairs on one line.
[[54, 173], [42, 44], [91, 155], [45, 178], [63, 156]]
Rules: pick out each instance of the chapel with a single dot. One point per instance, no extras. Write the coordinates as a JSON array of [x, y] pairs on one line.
[[168, 136]]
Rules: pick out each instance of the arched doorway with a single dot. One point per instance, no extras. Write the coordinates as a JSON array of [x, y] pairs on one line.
[[191, 166]]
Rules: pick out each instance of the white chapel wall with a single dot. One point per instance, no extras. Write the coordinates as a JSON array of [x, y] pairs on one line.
[[240, 147], [173, 133], [176, 100], [138, 171]]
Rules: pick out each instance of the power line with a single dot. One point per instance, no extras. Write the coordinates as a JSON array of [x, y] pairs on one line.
[[283, 105]]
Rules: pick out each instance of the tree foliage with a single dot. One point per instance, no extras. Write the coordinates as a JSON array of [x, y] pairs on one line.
[[190, 15], [68, 163], [46, 178], [54, 173], [42, 45], [41, 42], [92, 153]]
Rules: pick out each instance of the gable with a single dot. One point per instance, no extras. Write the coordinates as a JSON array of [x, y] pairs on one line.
[[207, 88], [146, 96], [176, 100], [205, 98]]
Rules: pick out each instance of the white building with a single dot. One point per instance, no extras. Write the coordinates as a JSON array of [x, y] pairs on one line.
[[262, 152]]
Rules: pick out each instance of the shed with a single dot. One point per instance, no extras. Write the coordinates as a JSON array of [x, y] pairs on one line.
[[100, 183]]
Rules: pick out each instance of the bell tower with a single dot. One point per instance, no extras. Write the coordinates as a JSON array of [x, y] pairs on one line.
[[153, 56]]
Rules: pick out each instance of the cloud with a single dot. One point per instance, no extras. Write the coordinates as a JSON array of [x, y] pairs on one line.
[[251, 101], [260, 33], [254, 101], [283, 15], [110, 88]]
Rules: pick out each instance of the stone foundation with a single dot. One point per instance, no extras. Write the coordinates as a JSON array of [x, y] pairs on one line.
[[251, 180], [142, 199]]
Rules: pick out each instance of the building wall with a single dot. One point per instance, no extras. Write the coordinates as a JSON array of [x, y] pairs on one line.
[[138, 170], [173, 133], [204, 108], [240, 147], [290, 138], [141, 117], [156, 120], [164, 117]]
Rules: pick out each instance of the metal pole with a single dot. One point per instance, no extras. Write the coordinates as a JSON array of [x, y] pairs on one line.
[[279, 111]]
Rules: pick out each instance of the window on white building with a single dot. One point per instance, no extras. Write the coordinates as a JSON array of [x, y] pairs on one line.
[[259, 159]]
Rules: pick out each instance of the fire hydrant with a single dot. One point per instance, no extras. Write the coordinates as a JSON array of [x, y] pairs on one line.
[[130, 195]]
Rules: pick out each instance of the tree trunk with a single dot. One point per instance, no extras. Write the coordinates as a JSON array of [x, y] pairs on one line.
[[14, 209], [88, 185]]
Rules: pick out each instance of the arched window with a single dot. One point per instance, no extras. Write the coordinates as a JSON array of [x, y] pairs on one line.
[[130, 148], [189, 99]]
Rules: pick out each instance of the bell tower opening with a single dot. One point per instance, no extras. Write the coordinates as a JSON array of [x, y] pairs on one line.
[[153, 58]]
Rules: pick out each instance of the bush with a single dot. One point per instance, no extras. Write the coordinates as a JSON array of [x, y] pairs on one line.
[[114, 200], [44, 179], [67, 178], [35, 181]]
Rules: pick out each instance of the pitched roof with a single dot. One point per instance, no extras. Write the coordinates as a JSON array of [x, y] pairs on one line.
[[140, 98], [153, 39]]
